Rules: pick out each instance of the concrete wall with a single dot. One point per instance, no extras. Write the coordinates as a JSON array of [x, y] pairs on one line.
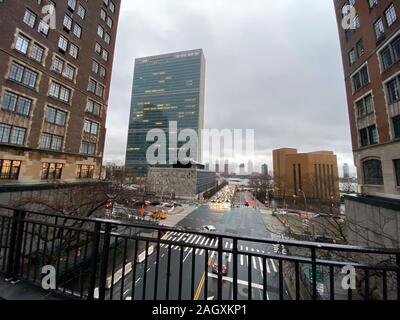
[[372, 225], [183, 183]]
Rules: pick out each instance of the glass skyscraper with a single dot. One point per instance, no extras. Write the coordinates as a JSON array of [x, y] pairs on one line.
[[166, 88]]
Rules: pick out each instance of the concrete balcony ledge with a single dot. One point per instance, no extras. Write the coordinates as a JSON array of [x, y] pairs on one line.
[[388, 203]]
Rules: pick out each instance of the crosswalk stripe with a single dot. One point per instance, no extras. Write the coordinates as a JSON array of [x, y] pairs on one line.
[[194, 239], [230, 257], [241, 259], [202, 241], [208, 239], [268, 269], [211, 243], [231, 245], [261, 265], [254, 263], [226, 245], [198, 239]]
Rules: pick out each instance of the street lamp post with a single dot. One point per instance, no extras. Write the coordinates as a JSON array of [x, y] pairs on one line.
[[305, 199]]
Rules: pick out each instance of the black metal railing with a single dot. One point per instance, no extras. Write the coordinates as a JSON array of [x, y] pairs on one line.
[[111, 260]]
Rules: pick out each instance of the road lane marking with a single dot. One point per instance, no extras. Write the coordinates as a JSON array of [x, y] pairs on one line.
[[241, 282], [261, 265], [273, 265]]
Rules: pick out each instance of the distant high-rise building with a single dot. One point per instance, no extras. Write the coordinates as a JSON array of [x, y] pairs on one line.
[[315, 174], [242, 169], [207, 166], [217, 167], [250, 167], [346, 171], [226, 167], [166, 88], [264, 169], [55, 84]]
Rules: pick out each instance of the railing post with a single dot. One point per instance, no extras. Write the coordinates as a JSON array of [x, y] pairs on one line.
[[14, 253], [398, 275], [104, 262], [314, 273], [93, 260]]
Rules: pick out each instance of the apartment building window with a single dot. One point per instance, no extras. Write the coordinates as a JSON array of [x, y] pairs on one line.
[[93, 107], [97, 48], [390, 54], [69, 72], [88, 148], [100, 31], [73, 51], [96, 88], [372, 3], [59, 92], [352, 56], [13, 102], [396, 126], [373, 172], [77, 30], [29, 18], [72, 4], [63, 43], [110, 22], [365, 106], [390, 15], [368, 136], [397, 171], [58, 65], [23, 75], [104, 55], [392, 88], [91, 127], [67, 23], [81, 12], [36, 53], [379, 29], [107, 38], [22, 44], [9, 169], [11, 134], [51, 142], [360, 48], [43, 28], [103, 15], [356, 22], [55, 116], [360, 79], [112, 7], [52, 171], [85, 171]]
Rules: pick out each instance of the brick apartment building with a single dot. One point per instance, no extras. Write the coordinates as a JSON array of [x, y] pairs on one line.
[[313, 175], [371, 55], [54, 88]]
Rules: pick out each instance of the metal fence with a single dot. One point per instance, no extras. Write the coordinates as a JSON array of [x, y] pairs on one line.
[[111, 260]]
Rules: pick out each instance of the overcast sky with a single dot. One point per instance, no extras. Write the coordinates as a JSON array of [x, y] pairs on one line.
[[273, 66]]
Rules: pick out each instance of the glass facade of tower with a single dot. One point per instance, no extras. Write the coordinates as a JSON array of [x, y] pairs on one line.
[[165, 88]]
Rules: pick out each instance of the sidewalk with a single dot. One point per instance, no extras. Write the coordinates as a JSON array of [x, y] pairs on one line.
[[26, 291], [177, 215]]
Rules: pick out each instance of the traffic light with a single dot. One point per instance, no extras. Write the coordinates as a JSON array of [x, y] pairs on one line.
[[108, 204]]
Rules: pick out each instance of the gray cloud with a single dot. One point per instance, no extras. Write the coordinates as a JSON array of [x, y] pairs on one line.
[[273, 66]]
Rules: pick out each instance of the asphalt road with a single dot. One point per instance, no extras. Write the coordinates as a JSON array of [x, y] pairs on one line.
[[195, 271]]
